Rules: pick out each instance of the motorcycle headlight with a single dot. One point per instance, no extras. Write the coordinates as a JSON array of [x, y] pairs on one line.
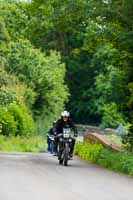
[[61, 139], [70, 140]]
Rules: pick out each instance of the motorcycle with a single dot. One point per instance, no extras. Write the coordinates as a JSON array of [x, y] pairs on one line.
[[65, 142]]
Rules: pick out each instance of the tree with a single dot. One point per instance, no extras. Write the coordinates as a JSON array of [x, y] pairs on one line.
[[16, 18], [15, 117], [44, 75]]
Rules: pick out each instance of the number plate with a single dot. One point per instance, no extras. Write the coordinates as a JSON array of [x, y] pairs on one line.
[[66, 132], [66, 135]]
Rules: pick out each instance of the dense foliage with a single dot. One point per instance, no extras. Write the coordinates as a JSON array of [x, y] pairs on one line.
[[95, 41], [32, 88]]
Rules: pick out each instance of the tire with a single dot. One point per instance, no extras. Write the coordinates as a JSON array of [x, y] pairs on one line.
[[66, 154], [65, 162], [60, 162], [60, 157]]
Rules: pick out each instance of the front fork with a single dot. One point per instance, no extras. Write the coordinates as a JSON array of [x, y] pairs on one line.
[[62, 148]]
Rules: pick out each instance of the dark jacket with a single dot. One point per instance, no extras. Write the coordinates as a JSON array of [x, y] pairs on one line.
[[60, 124], [51, 131]]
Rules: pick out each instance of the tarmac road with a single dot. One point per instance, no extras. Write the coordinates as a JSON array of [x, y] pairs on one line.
[[37, 176]]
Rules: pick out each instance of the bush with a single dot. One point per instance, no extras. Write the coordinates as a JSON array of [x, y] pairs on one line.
[[111, 116], [15, 120], [7, 123], [25, 124], [88, 151], [96, 153]]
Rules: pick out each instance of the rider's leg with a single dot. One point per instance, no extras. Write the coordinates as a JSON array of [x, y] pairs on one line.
[[56, 142], [72, 147], [48, 143]]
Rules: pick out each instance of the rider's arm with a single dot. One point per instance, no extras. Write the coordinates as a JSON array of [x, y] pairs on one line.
[[57, 128], [50, 131], [74, 128]]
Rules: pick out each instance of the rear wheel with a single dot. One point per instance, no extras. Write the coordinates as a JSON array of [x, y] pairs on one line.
[[65, 162]]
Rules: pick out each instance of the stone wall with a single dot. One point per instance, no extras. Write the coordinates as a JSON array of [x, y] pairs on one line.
[[102, 139]]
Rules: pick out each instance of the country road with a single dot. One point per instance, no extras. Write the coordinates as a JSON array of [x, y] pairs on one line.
[[27, 176]]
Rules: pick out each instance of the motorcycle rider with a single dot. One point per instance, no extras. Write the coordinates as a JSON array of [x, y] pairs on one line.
[[50, 132], [65, 122]]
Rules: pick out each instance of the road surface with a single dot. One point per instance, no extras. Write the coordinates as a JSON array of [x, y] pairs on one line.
[[27, 176]]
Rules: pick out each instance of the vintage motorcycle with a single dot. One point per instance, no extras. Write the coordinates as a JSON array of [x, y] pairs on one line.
[[65, 142]]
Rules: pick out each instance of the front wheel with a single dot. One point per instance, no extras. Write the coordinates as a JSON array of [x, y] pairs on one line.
[[60, 162], [66, 154]]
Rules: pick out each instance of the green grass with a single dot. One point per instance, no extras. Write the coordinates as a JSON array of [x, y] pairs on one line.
[[96, 153], [22, 144]]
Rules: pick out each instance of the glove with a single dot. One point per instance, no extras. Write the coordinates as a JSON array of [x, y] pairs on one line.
[[55, 134]]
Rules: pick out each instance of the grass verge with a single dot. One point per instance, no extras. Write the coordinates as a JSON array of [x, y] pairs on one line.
[[22, 144], [96, 153]]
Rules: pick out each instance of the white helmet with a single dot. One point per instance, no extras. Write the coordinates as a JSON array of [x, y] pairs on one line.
[[65, 113]]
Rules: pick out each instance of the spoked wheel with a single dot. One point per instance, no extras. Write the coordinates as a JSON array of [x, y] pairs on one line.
[[66, 154], [60, 157]]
